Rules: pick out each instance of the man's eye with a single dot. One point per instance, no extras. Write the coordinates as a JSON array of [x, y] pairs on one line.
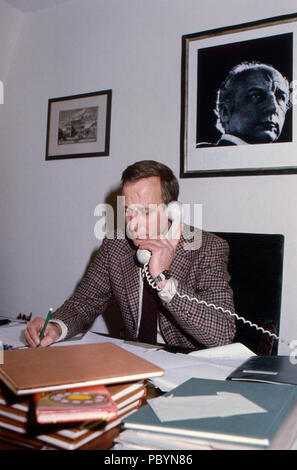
[[281, 98]]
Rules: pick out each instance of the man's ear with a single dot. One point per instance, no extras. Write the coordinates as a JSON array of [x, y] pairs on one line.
[[225, 114]]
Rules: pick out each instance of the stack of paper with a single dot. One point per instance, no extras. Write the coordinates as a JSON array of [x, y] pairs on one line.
[[13, 334]]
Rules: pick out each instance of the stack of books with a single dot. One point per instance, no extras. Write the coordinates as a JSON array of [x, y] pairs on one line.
[[71, 397], [25, 416], [214, 414]]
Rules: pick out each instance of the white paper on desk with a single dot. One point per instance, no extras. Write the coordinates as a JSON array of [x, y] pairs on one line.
[[88, 338], [231, 355], [164, 359], [212, 363], [13, 335], [91, 338], [228, 351], [222, 404], [203, 370]]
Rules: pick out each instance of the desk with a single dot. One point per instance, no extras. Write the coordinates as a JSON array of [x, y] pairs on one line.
[[208, 364]]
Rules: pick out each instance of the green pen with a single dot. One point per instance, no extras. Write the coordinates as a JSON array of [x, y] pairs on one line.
[[45, 325]]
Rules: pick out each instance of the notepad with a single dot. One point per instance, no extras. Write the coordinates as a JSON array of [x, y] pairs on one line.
[[37, 370]]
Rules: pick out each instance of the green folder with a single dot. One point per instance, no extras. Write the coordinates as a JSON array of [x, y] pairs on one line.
[[257, 428], [270, 369]]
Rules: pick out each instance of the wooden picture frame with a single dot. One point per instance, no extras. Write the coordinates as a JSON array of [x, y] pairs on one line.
[[79, 126]]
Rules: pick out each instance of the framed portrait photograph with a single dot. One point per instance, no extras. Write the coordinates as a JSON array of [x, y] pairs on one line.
[[237, 100], [79, 126]]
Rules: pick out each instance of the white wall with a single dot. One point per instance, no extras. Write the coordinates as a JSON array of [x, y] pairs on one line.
[[134, 48], [11, 23]]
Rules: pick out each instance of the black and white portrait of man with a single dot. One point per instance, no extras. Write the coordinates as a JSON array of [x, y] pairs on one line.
[[251, 103]]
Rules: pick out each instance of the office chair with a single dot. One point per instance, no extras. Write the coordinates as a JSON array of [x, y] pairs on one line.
[[255, 266]]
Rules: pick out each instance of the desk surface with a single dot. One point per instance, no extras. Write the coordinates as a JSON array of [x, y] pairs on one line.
[[284, 439]]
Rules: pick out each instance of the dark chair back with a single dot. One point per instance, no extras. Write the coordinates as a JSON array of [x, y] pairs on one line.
[[256, 270]]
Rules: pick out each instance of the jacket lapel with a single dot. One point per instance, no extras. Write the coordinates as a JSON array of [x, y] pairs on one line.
[[190, 240], [130, 272]]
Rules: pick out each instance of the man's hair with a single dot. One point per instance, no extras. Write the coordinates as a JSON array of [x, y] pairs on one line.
[[148, 168], [225, 94]]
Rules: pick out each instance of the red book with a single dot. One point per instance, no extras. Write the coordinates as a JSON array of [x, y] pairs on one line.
[[75, 404]]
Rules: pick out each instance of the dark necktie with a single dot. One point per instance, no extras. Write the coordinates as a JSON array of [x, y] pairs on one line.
[[149, 315]]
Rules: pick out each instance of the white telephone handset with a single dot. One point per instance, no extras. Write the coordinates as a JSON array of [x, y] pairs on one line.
[[174, 213]]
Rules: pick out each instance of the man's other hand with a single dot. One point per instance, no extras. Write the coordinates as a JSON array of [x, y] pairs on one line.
[[33, 331]]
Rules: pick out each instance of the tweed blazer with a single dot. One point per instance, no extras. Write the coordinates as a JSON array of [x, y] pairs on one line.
[[199, 265]]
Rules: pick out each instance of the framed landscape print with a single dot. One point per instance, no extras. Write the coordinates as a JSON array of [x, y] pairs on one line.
[[238, 91], [79, 126]]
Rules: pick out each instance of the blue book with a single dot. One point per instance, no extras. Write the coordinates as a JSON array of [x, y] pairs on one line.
[[271, 369], [234, 412]]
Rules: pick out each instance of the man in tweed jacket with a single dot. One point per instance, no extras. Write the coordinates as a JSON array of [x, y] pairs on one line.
[[197, 269]]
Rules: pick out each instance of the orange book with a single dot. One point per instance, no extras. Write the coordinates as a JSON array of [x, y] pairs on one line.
[[73, 405], [29, 371]]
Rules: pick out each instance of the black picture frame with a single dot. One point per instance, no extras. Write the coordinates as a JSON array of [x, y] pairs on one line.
[[206, 59], [78, 126]]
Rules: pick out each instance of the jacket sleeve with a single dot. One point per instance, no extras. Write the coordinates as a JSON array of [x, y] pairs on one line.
[[208, 281], [90, 298]]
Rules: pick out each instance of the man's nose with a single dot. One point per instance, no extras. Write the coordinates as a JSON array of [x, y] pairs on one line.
[[271, 105]]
